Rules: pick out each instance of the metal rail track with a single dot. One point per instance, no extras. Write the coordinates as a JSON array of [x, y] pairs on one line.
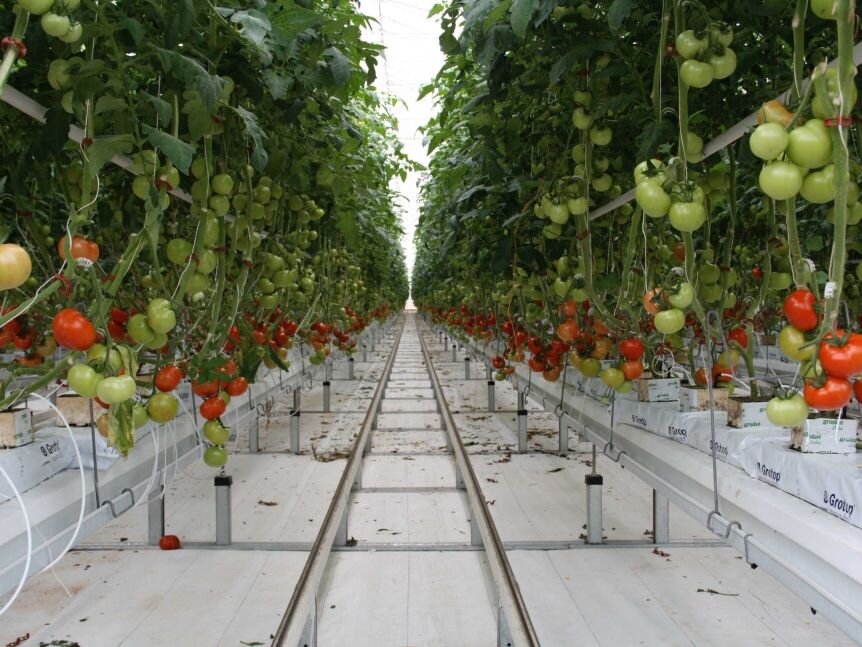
[[514, 624], [298, 625]]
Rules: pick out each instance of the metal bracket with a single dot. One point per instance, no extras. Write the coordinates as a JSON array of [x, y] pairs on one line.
[[110, 503], [610, 446], [727, 530]]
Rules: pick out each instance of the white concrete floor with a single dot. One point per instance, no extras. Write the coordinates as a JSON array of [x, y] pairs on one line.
[[611, 596]]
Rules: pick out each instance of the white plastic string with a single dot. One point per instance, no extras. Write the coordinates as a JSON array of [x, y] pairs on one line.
[[23, 579]]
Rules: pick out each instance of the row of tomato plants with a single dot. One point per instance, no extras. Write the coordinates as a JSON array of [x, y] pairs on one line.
[[550, 111], [228, 197]]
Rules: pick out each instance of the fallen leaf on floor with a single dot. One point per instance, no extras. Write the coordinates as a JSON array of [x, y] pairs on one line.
[[352, 541], [554, 471], [648, 533], [660, 553], [267, 503], [253, 643], [18, 640], [491, 502], [490, 480], [714, 592]]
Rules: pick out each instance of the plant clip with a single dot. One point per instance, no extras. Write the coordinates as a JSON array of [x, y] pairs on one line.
[[11, 41], [66, 290], [832, 122], [86, 142], [23, 213], [163, 183], [584, 73], [584, 235], [247, 262]]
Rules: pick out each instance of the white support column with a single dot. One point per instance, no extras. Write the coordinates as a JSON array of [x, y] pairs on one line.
[[660, 518], [294, 421], [155, 516], [594, 508], [223, 485], [522, 422]]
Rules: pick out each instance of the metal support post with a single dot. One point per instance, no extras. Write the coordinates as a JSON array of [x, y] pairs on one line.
[[364, 353], [341, 534], [223, 484], [373, 342], [156, 516], [475, 535], [522, 422], [454, 352], [294, 421], [660, 518], [564, 435], [459, 479], [254, 436], [504, 634], [492, 404], [309, 633], [467, 368], [350, 369], [326, 396], [594, 508]]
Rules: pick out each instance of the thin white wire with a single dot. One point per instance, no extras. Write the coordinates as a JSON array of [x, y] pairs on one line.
[[23, 579]]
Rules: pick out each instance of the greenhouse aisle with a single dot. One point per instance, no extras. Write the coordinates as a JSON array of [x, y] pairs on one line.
[[379, 593]]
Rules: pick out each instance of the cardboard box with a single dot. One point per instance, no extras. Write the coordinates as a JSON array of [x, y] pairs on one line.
[[696, 398], [658, 389], [747, 413], [16, 428], [825, 436]]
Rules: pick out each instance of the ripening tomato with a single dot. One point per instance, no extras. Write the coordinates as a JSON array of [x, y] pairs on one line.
[[602, 349], [799, 308], [213, 407], [567, 330], [167, 378], [791, 341], [841, 359], [73, 330], [835, 393], [83, 250], [162, 408], [205, 389], [15, 266], [537, 363], [613, 377], [552, 374], [237, 386], [632, 369], [651, 301]]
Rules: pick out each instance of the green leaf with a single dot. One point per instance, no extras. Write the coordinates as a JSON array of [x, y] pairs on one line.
[[104, 148], [619, 11], [448, 43], [177, 151], [136, 30], [187, 69], [255, 26], [522, 12], [436, 9], [277, 84], [163, 108], [339, 65], [109, 104], [814, 243], [346, 224], [294, 20], [496, 14], [259, 156], [562, 66], [476, 11]]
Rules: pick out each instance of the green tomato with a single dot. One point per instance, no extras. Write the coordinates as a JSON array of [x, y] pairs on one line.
[[791, 340], [711, 293], [178, 251], [769, 141], [709, 274], [780, 180], [215, 456], [113, 390], [207, 261], [219, 204], [683, 297], [36, 7], [223, 184], [825, 9], [723, 65], [696, 74], [160, 316], [601, 136], [162, 407], [55, 25], [810, 146], [668, 322], [780, 281], [198, 282], [83, 380], [76, 30], [216, 432], [273, 262], [653, 199], [613, 377], [139, 415], [558, 213], [158, 341], [689, 45], [581, 119], [687, 216], [590, 367], [602, 183], [270, 301], [209, 229], [139, 329], [644, 171], [818, 187], [789, 412], [97, 352]]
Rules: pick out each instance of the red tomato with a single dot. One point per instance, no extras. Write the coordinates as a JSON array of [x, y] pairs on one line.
[[116, 330], [552, 374], [228, 369], [81, 248], [757, 273], [857, 390], [119, 315], [237, 386], [567, 330], [569, 309], [73, 330], [537, 364], [498, 362], [834, 394], [632, 369], [170, 542], [841, 360], [535, 345], [739, 336], [213, 407], [632, 348], [168, 378], [799, 310], [234, 333], [205, 389], [259, 337]]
